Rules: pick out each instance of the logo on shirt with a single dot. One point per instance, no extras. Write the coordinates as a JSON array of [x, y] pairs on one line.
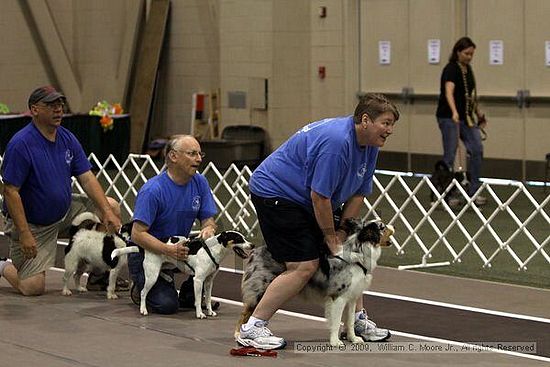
[[68, 156], [361, 172], [196, 203], [312, 126]]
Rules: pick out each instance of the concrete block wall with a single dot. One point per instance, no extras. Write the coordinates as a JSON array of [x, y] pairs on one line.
[[235, 44], [21, 67], [189, 64], [92, 36]]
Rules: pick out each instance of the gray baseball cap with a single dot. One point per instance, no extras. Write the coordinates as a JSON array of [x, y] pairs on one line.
[[45, 94]]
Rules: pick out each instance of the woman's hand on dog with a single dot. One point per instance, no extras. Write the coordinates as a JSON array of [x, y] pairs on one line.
[[334, 244]]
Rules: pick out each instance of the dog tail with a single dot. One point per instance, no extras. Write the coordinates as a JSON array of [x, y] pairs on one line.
[[77, 222], [82, 217], [123, 251]]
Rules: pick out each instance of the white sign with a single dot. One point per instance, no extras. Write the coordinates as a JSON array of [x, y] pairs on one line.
[[496, 52], [547, 52], [434, 51], [384, 52]]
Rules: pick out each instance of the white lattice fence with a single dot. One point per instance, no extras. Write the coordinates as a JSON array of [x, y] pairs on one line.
[[489, 232], [514, 225]]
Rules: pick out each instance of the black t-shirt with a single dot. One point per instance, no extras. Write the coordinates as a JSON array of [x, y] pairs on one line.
[[452, 73]]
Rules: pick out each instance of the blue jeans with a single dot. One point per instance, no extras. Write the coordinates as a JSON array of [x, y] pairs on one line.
[[163, 297], [472, 140]]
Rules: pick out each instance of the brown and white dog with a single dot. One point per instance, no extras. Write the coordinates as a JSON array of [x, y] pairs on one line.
[[337, 283], [203, 262], [91, 249]]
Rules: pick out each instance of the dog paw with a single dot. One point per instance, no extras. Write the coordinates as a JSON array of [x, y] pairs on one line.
[[211, 313], [200, 315], [82, 289], [143, 311], [112, 296], [336, 343], [66, 292], [356, 339]]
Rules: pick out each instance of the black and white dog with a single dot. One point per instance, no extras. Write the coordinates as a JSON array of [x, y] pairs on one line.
[[91, 249], [203, 262], [338, 282]]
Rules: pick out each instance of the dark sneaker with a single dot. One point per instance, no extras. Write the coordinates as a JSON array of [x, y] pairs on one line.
[[99, 282], [187, 300], [135, 295], [187, 296]]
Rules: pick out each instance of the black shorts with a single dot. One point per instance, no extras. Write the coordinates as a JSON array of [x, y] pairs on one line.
[[290, 231]]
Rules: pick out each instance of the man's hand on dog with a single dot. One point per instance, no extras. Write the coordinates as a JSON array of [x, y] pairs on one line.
[[207, 232], [111, 222], [178, 251]]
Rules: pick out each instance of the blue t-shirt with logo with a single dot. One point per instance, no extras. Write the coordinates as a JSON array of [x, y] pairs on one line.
[[169, 209], [323, 156], [42, 170]]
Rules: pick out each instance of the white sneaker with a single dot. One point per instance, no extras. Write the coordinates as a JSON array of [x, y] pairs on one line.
[[368, 330], [480, 200], [260, 337]]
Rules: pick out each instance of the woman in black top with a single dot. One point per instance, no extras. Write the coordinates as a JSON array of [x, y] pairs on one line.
[[457, 101]]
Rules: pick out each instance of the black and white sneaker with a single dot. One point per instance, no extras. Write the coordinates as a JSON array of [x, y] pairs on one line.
[[2, 261]]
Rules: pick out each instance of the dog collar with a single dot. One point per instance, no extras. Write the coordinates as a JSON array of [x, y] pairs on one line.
[[365, 270]]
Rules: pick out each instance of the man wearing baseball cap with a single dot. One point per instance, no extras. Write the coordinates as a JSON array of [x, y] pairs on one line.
[[39, 162]]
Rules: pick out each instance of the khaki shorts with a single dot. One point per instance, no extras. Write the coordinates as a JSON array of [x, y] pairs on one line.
[[46, 239]]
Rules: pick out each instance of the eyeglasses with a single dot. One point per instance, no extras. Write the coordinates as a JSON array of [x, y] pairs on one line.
[[53, 105], [191, 153]]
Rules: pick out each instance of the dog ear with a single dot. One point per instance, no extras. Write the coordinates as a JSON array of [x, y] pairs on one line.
[[127, 228], [195, 245], [369, 233], [226, 237]]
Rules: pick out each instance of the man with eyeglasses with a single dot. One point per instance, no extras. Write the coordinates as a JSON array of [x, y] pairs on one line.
[[168, 205], [38, 165], [324, 170]]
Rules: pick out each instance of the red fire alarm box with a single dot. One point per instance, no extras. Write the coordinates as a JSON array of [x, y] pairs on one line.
[[321, 72]]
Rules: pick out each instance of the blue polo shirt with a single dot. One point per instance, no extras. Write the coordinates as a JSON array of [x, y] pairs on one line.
[[323, 156], [42, 170], [169, 209]]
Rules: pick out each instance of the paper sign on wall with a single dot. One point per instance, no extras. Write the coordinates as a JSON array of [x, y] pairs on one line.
[[547, 52], [434, 51], [496, 52], [384, 52]]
